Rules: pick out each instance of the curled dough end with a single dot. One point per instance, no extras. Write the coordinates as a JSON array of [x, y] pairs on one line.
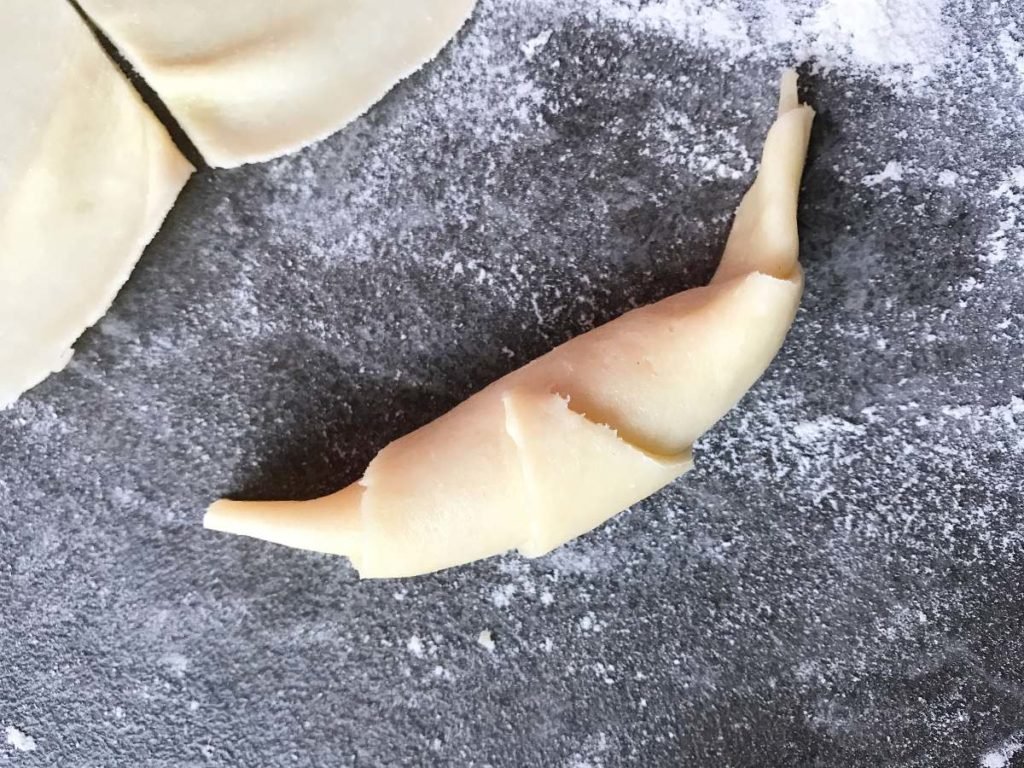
[[764, 234], [557, 447]]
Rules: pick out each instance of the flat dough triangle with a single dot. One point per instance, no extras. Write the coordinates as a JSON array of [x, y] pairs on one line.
[[87, 174]]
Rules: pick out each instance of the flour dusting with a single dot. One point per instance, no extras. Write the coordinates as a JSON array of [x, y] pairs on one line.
[[901, 42]]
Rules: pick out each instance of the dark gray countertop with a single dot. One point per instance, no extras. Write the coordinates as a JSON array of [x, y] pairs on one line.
[[838, 583]]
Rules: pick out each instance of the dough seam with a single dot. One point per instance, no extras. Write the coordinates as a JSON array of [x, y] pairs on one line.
[[532, 498]]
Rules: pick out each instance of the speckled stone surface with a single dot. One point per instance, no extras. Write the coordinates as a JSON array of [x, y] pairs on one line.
[[840, 582]]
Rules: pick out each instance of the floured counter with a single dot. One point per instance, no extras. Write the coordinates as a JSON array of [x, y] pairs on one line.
[[837, 581]]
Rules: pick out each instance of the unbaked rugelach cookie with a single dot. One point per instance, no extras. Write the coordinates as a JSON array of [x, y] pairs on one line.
[[566, 442]]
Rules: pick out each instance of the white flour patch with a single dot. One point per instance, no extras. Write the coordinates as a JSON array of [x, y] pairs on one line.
[[720, 25], [571, 560], [415, 646], [486, 640], [534, 44], [1000, 756], [1006, 419], [893, 171], [1012, 47], [20, 740], [590, 623], [708, 153], [502, 596], [175, 663], [905, 40], [824, 429], [591, 753], [903, 43]]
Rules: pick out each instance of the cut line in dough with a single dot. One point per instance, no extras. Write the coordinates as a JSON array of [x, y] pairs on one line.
[[577, 473], [249, 80]]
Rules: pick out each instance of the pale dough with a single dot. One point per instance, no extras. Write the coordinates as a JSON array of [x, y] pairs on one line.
[[87, 174], [252, 79], [559, 446]]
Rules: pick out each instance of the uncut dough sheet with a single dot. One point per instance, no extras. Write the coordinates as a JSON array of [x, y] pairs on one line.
[[253, 79], [87, 175]]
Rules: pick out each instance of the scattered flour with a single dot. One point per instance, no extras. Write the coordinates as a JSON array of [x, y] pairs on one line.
[[415, 647], [591, 753], [900, 42], [1012, 47], [502, 596], [715, 25], [590, 623], [1009, 193], [823, 429], [20, 740], [818, 459], [535, 44]]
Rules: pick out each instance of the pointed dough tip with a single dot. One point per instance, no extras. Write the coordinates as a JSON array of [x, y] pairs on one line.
[[223, 515], [330, 524], [789, 99]]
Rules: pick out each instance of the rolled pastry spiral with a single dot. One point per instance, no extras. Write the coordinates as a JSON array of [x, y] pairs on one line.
[[559, 446]]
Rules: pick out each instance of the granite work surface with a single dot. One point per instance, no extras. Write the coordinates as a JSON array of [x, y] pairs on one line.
[[840, 582]]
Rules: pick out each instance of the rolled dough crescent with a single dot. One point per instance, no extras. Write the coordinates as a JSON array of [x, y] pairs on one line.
[[559, 446], [249, 80], [87, 175]]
